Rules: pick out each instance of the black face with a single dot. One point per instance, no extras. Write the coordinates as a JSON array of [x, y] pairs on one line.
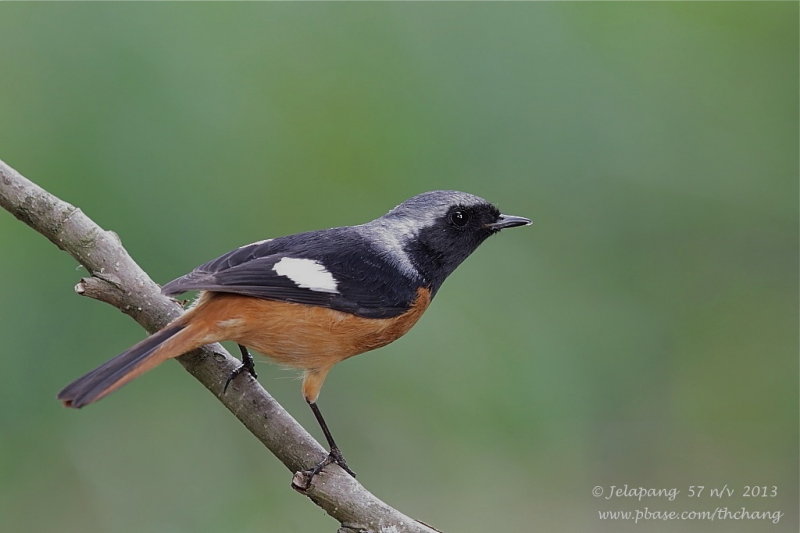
[[470, 224], [441, 247]]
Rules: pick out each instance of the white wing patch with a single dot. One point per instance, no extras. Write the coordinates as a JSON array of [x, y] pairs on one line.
[[306, 273]]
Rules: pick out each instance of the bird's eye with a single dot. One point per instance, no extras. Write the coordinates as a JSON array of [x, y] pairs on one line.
[[459, 218]]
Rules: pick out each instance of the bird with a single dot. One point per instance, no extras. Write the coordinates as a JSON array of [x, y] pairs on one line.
[[310, 300]]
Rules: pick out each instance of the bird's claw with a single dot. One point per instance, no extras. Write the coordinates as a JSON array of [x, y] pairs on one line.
[[248, 364], [335, 456]]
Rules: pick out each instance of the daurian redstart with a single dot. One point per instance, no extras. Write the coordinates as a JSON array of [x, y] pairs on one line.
[[313, 299]]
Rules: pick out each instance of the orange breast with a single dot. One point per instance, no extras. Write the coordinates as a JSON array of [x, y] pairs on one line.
[[296, 335]]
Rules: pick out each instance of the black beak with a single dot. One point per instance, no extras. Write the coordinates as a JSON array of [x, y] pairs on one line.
[[509, 221]]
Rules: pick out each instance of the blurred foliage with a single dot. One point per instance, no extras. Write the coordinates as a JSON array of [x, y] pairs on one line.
[[643, 331]]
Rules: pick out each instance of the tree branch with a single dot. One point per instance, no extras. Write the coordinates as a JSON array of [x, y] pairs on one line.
[[117, 279]]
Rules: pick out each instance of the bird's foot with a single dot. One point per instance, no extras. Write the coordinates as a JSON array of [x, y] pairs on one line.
[[335, 456], [302, 479], [248, 364]]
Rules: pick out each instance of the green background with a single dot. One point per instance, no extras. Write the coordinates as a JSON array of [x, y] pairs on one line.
[[643, 331]]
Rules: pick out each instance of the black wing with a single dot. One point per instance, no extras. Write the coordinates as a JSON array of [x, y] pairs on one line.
[[366, 284]]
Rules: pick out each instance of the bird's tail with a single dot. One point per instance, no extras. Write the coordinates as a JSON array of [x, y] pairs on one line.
[[172, 341]]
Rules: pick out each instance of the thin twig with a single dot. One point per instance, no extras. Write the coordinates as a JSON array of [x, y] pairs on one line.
[[117, 279]]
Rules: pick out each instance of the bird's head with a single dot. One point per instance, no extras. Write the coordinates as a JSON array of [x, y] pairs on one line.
[[437, 230]]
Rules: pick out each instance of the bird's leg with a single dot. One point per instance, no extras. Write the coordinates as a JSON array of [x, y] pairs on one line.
[[247, 364], [335, 455]]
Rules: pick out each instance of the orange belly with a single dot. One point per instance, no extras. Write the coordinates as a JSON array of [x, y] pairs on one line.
[[302, 336]]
